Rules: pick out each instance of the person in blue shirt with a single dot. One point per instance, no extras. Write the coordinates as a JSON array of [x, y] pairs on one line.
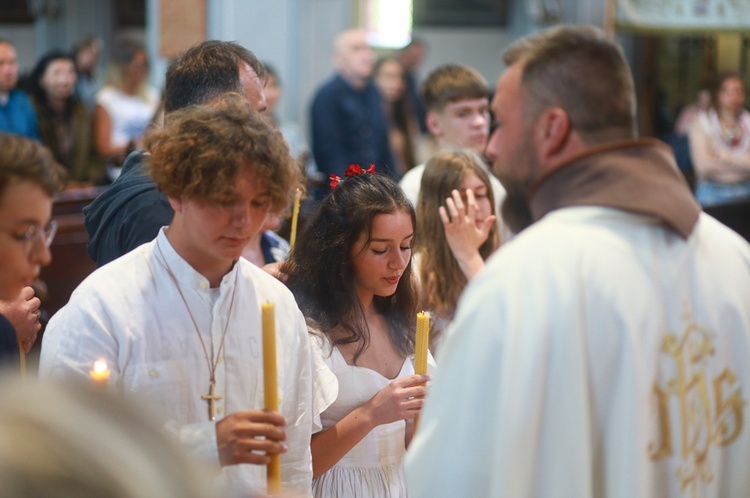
[[348, 123], [17, 115]]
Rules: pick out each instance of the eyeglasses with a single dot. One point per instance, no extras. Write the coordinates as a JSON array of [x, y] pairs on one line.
[[35, 234]]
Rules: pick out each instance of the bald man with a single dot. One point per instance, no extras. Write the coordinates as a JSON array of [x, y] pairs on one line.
[[347, 119]]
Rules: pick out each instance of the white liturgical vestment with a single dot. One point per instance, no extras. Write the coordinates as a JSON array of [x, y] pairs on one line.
[[130, 314], [598, 355]]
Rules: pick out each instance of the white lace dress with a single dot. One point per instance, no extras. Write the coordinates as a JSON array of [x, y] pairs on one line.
[[373, 468]]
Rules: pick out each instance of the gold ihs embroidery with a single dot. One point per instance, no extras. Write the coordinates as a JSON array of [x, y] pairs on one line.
[[702, 423]]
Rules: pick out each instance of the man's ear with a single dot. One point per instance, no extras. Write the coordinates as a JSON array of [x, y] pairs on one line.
[[554, 129], [432, 120]]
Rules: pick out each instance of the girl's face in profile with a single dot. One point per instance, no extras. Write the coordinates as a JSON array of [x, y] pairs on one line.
[[380, 262]]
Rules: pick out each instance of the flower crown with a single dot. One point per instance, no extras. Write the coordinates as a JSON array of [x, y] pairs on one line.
[[352, 170]]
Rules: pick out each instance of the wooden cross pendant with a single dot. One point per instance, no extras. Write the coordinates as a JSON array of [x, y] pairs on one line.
[[211, 397]]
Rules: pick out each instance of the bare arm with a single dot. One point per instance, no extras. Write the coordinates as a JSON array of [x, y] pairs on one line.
[[399, 400]]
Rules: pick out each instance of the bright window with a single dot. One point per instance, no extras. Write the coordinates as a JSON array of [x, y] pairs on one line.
[[387, 22]]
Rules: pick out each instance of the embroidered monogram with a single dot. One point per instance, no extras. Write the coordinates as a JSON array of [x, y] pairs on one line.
[[710, 412]]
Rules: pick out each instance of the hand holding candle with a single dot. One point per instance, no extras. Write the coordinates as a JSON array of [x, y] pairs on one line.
[[100, 374], [270, 387]]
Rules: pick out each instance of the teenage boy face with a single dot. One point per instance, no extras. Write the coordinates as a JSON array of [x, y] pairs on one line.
[[213, 236], [464, 123], [25, 210]]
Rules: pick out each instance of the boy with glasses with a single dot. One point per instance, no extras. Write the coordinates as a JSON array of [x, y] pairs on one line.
[[29, 178]]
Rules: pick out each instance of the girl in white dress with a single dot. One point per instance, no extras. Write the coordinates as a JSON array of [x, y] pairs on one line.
[[125, 106], [350, 272]]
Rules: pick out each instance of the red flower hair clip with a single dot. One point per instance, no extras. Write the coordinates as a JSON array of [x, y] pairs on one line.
[[352, 170]]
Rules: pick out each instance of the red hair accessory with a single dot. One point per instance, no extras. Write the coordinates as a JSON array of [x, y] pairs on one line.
[[352, 170]]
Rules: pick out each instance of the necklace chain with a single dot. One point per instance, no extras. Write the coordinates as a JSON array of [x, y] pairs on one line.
[[211, 364]]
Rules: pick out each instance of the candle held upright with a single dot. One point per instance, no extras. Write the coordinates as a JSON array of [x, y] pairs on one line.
[[421, 344], [270, 387]]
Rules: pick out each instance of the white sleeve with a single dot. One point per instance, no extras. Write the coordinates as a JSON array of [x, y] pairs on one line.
[[325, 383], [78, 335], [411, 183]]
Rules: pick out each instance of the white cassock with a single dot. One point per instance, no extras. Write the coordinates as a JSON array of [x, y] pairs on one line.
[[598, 355], [130, 314]]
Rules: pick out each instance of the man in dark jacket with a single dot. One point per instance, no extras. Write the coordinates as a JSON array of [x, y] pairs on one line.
[[132, 211], [347, 119]]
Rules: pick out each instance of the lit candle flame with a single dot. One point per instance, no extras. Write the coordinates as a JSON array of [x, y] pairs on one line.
[[100, 373]]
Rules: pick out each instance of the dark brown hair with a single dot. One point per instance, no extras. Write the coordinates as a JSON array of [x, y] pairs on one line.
[[206, 71], [451, 83], [402, 114], [320, 273], [578, 69]]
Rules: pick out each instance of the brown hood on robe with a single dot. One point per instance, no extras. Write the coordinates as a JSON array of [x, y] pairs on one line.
[[639, 176]]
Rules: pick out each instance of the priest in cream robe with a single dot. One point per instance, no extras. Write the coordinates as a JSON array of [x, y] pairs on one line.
[[605, 351], [178, 319]]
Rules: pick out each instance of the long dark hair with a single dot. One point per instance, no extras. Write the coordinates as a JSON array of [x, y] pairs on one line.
[[402, 115], [34, 85], [320, 274]]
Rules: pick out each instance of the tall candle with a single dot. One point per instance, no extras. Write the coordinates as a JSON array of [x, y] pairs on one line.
[[22, 358], [421, 343], [270, 388], [420, 347], [100, 374], [295, 216]]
